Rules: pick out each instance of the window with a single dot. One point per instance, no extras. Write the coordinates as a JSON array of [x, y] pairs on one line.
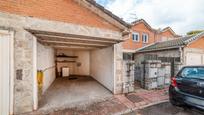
[[136, 37], [128, 56], [145, 38], [192, 72]]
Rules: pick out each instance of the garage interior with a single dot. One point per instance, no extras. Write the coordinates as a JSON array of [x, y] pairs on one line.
[[76, 69]]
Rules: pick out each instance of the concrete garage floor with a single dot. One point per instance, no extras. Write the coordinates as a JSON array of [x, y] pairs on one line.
[[65, 93]]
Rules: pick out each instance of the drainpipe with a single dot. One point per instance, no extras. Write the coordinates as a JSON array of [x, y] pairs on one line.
[[181, 55]]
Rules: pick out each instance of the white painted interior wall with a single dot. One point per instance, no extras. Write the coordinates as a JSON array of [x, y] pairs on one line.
[[83, 58], [46, 63], [97, 63], [102, 66]]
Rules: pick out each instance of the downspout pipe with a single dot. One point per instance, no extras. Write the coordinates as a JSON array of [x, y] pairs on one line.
[[181, 50]]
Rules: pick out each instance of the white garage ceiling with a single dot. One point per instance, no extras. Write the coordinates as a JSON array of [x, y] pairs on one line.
[[69, 41]]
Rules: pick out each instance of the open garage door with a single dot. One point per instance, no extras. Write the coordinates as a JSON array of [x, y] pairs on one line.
[[101, 53], [194, 59], [76, 68]]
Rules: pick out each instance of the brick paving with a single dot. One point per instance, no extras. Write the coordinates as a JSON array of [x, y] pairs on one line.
[[148, 98], [118, 104]]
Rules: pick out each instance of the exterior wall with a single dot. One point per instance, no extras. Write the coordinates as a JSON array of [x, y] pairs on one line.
[[166, 53], [46, 63], [58, 10], [139, 28], [102, 68], [145, 72], [198, 44], [16, 21], [164, 36], [194, 52], [23, 67], [193, 56], [83, 58], [128, 76], [119, 79]]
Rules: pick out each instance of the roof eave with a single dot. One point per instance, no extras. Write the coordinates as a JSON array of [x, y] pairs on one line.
[[109, 13], [154, 50]]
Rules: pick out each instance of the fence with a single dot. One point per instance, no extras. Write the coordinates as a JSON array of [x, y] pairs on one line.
[[155, 73]]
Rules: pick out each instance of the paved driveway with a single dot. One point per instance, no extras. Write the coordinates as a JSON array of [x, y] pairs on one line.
[[166, 109]]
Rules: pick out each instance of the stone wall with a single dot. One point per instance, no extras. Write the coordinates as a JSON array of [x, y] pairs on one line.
[[154, 70], [128, 76], [23, 82], [119, 77], [155, 74]]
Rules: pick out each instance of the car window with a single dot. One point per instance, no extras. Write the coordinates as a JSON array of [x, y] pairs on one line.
[[193, 72]]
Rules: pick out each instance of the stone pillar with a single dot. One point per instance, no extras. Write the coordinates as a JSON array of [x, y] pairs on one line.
[[23, 79], [118, 69]]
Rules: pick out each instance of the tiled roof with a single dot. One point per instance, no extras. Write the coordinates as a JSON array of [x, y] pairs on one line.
[[176, 43], [153, 29], [93, 2], [144, 21]]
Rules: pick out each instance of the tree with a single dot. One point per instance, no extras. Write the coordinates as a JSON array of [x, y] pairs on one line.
[[195, 32]]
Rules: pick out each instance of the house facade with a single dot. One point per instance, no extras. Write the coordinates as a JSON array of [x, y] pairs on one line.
[[168, 57], [186, 50], [142, 34], [31, 32]]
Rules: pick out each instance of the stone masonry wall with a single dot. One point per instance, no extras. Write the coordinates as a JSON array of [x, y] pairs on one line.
[[23, 82], [119, 72]]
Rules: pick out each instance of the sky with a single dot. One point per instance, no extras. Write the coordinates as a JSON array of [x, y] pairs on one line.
[[181, 15]]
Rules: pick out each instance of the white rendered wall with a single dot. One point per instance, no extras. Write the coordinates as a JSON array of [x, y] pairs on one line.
[[102, 66], [4, 74], [83, 58], [46, 63]]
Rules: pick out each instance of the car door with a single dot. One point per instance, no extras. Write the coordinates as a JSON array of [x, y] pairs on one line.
[[193, 83]]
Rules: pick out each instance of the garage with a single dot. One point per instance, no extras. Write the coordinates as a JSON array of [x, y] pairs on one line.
[[78, 37], [75, 70]]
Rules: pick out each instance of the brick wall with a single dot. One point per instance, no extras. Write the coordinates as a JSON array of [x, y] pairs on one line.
[[199, 44], [139, 28], [163, 36], [56, 10]]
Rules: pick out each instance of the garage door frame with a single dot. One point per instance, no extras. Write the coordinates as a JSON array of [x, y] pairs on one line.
[[10, 35]]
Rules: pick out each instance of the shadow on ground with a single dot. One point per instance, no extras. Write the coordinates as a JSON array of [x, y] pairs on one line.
[[167, 109]]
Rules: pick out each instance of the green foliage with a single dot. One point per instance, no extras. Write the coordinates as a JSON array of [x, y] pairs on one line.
[[195, 32]]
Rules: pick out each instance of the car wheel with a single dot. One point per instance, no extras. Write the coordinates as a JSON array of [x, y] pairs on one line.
[[175, 103]]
